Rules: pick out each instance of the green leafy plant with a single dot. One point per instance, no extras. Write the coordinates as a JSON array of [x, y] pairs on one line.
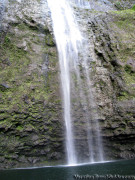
[[133, 8]]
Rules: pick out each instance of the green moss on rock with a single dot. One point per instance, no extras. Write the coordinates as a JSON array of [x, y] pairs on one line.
[[29, 92]]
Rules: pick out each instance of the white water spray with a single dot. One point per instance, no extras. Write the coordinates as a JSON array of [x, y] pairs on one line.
[[67, 38], [69, 43], [81, 3]]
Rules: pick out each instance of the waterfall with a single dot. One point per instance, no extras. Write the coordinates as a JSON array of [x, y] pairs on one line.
[[81, 3], [67, 38], [2, 9], [73, 63]]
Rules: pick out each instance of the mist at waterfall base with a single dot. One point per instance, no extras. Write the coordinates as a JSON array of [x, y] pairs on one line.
[[98, 171]]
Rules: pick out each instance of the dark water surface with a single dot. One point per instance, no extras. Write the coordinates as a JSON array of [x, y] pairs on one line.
[[109, 170]]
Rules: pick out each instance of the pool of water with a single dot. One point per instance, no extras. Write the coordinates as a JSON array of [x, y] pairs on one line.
[[108, 170]]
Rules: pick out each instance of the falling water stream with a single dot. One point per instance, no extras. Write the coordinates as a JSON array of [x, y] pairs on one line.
[[2, 9], [70, 42], [81, 3]]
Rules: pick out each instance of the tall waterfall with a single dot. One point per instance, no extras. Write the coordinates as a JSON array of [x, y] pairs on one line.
[[73, 64]]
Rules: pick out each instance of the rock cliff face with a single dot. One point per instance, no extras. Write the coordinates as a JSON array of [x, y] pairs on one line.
[[31, 123], [114, 80], [30, 112]]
